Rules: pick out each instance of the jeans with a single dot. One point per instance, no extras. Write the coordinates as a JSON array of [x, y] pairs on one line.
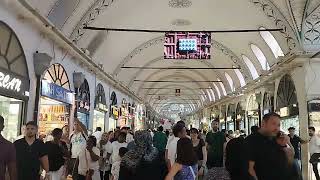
[[297, 168], [314, 160]]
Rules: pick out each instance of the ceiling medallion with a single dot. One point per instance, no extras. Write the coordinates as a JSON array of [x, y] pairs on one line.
[[180, 3], [181, 22]]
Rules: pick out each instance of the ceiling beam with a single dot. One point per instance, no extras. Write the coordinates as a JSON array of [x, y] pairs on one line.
[[176, 88], [168, 31], [180, 68], [165, 81]]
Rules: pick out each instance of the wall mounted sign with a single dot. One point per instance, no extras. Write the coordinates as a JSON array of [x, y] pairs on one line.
[[56, 92], [12, 83]]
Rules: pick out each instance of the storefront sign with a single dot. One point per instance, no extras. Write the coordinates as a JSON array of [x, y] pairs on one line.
[[102, 107], [9, 82], [56, 92]]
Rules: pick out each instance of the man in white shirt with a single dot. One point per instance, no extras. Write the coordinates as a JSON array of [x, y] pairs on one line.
[[88, 160], [98, 134], [179, 131], [116, 145], [314, 148], [129, 137]]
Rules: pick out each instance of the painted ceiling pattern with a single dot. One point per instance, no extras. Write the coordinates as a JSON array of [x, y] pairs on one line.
[[298, 19]]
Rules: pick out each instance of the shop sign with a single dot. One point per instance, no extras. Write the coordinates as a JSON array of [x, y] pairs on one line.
[[102, 107], [12, 83], [56, 92]]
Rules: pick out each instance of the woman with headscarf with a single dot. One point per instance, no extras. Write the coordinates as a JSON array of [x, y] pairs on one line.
[[143, 161]]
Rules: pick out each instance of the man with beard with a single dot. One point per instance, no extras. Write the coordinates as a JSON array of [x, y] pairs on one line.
[[267, 159], [215, 142], [314, 148], [31, 153]]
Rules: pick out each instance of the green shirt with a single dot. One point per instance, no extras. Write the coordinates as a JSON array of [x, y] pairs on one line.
[[215, 142], [160, 141]]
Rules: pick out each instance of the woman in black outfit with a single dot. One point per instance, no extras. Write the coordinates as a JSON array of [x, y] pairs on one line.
[[199, 147], [143, 161]]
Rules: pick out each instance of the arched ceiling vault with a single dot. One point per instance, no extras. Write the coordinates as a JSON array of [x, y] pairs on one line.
[[116, 49]]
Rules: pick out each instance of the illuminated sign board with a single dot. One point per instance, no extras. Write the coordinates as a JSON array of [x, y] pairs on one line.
[[12, 83], [56, 92]]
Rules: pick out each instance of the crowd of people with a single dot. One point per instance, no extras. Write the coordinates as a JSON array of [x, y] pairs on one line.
[[179, 154]]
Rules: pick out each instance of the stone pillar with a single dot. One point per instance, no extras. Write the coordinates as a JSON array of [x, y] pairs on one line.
[[298, 76]]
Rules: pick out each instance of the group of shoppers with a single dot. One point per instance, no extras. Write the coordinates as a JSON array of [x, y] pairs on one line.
[[266, 154]]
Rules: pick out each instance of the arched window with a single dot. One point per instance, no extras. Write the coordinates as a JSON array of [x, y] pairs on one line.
[[240, 77], [251, 67], [230, 81], [209, 94], [217, 89], [271, 42], [260, 56], [213, 95], [222, 87]]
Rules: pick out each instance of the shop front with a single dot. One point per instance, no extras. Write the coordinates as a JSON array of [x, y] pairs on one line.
[[253, 111], [267, 103], [14, 82], [83, 103], [139, 120], [100, 108], [287, 104], [56, 99], [222, 117], [114, 111], [231, 117], [314, 114], [240, 118], [124, 113], [131, 116]]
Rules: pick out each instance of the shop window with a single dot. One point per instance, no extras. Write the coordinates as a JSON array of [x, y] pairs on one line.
[[240, 77], [230, 81], [271, 42], [260, 56], [251, 67], [56, 74], [217, 89]]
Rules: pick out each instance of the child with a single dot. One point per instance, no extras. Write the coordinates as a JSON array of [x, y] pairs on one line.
[[116, 165]]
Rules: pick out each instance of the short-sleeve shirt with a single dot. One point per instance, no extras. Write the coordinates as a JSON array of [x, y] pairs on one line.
[[270, 159], [198, 149], [114, 151], [115, 170], [314, 144], [216, 141], [56, 155], [28, 158], [84, 157], [160, 141], [295, 141], [78, 142], [172, 149], [7, 155]]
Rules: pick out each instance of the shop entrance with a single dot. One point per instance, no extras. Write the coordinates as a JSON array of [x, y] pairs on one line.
[[100, 108]]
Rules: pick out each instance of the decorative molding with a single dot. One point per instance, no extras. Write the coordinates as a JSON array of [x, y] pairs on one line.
[[273, 13], [90, 16], [311, 31], [180, 3]]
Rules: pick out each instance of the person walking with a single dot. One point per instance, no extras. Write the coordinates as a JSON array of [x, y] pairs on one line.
[[77, 143], [142, 162], [31, 154], [116, 165], [185, 167], [115, 146], [57, 153], [215, 142], [267, 159], [7, 156], [98, 133], [104, 163], [160, 140], [314, 149], [199, 147], [88, 161]]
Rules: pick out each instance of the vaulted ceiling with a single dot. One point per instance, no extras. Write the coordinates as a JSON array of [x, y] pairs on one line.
[[114, 50]]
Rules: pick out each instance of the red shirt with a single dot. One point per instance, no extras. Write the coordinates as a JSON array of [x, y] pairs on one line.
[[7, 155]]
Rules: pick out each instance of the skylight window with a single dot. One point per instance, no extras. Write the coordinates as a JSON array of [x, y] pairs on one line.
[[251, 67], [260, 56], [222, 87], [217, 89], [240, 77], [230, 81], [272, 43]]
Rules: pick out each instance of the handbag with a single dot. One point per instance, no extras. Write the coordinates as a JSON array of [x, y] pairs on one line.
[[90, 172]]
